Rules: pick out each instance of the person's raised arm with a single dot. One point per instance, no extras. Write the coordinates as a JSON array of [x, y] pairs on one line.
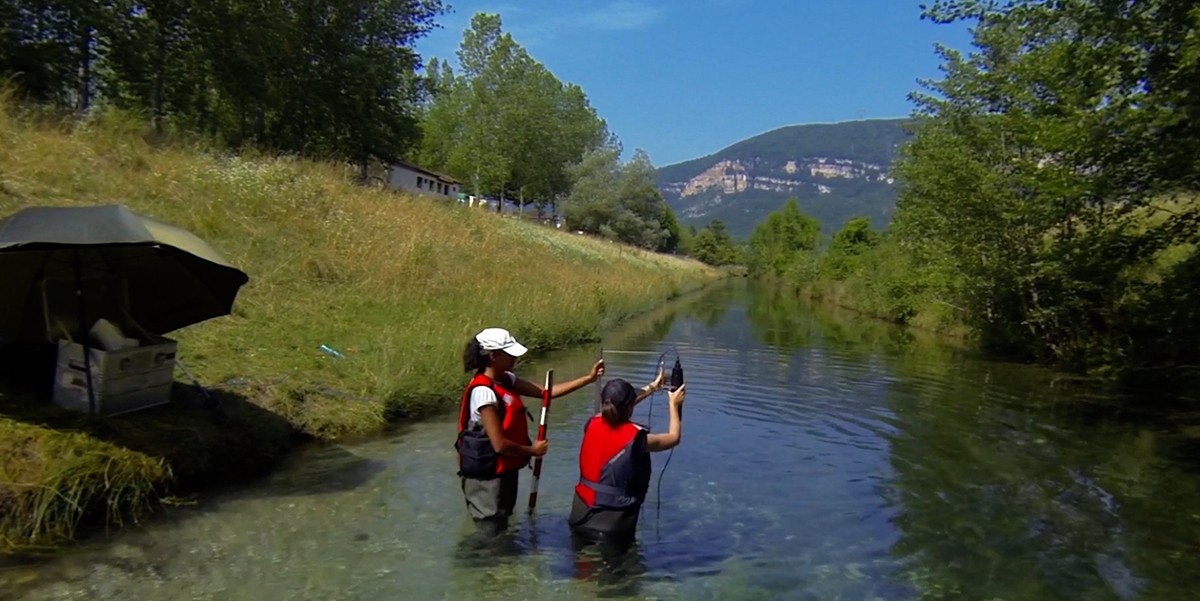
[[531, 389], [650, 388], [674, 433]]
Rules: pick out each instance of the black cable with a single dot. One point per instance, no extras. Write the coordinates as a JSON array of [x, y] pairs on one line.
[[670, 454], [658, 489]]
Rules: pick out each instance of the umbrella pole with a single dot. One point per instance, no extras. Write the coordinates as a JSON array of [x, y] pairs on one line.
[[87, 354]]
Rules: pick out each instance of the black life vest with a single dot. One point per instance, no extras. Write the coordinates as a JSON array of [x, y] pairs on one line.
[[614, 465]]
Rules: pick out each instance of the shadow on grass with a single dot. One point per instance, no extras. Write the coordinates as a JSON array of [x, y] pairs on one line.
[[65, 477]]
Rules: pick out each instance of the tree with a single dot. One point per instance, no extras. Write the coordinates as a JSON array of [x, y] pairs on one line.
[[779, 244], [1050, 171], [618, 201], [52, 48], [846, 252], [713, 245], [672, 238], [505, 123], [333, 80], [592, 200], [159, 64]]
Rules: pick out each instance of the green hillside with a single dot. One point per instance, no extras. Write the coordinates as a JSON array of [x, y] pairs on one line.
[[836, 171]]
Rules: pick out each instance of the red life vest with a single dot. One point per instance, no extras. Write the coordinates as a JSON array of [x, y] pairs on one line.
[[513, 424], [614, 465]]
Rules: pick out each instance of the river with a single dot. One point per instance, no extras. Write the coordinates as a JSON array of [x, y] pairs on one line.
[[824, 456]]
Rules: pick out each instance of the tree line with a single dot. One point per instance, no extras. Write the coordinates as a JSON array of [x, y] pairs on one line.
[[1048, 198], [340, 80], [333, 79]]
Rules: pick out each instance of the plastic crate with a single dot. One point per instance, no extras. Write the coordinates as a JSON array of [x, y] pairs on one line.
[[123, 380]]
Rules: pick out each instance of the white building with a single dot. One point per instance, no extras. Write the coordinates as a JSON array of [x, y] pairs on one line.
[[407, 176]]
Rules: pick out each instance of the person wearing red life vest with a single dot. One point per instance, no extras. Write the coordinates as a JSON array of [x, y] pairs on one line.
[[614, 462], [493, 430]]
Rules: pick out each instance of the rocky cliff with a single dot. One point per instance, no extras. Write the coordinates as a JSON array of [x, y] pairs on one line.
[[835, 171]]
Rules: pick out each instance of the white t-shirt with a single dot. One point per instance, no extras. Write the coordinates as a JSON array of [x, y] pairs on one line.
[[482, 396]]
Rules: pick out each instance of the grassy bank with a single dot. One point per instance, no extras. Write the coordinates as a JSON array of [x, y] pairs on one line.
[[395, 283]]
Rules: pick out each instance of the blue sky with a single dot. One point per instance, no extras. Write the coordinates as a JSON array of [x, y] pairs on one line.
[[684, 79]]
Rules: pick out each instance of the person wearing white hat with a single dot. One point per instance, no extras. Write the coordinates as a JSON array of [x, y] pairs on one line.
[[493, 432]]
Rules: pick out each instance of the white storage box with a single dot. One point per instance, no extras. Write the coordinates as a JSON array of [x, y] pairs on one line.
[[122, 380]]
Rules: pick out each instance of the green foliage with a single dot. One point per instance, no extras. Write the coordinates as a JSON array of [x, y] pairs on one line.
[[1048, 198], [891, 281], [1042, 165], [848, 252], [505, 124], [619, 201], [1047, 201], [331, 80], [714, 246], [784, 241], [672, 239]]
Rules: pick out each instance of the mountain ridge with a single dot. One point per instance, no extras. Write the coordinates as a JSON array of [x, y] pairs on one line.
[[835, 170]]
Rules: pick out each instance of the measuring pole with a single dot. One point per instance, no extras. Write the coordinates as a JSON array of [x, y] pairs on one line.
[[598, 401], [537, 461]]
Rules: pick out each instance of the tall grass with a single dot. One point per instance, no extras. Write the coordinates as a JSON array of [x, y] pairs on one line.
[[396, 283], [51, 480]]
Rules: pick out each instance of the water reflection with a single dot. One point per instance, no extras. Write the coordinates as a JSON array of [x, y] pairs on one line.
[[711, 304], [778, 318], [990, 509], [617, 568], [1005, 488], [784, 320], [483, 548]]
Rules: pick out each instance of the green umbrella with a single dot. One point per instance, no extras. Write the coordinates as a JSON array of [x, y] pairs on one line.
[[124, 266]]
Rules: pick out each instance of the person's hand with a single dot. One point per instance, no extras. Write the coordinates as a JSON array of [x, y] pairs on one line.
[[540, 447], [657, 384], [676, 396], [597, 371]]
